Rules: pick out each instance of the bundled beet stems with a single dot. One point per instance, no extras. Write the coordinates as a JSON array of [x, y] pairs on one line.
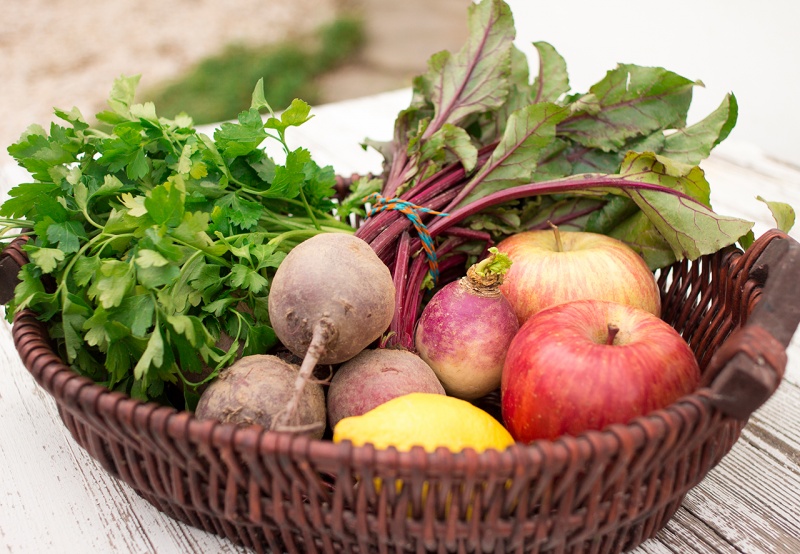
[[500, 153]]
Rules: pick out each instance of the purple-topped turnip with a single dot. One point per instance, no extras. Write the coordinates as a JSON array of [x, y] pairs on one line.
[[464, 331], [330, 298]]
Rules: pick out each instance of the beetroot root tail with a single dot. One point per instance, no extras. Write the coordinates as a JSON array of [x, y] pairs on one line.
[[324, 332]]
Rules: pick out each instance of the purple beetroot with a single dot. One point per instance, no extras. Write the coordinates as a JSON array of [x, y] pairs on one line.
[[374, 377], [330, 298], [464, 331]]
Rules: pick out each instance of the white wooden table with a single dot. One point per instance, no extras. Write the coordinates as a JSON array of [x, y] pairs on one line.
[[55, 498]]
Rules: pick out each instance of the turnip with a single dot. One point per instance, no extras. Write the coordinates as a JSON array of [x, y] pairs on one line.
[[464, 331], [377, 376], [330, 298], [256, 389]]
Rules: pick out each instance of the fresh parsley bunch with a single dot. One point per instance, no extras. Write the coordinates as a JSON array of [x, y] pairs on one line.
[[158, 242]]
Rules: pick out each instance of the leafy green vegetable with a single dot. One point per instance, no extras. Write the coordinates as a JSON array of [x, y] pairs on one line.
[[456, 92], [783, 213], [518, 152], [160, 240], [503, 148], [552, 80], [632, 124], [630, 101], [689, 228]]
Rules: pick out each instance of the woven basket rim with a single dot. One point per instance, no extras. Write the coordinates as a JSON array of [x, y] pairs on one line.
[[68, 386], [183, 424]]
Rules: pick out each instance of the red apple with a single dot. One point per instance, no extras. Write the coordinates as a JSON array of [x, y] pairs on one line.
[[586, 364], [551, 267]]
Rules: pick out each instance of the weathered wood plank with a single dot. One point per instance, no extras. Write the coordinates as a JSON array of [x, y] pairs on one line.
[[737, 177], [686, 533], [751, 500], [774, 425], [792, 374], [55, 498]]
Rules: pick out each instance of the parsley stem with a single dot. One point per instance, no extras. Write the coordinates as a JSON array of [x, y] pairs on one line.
[[14, 236], [290, 223], [17, 225], [78, 255], [254, 236], [303, 203], [206, 252], [85, 212], [278, 138], [309, 211], [301, 233]]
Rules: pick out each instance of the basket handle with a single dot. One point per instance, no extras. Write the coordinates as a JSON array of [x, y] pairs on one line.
[[12, 258], [749, 366]]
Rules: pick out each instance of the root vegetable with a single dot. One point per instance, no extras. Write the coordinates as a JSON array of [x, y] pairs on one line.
[[256, 390], [464, 331], [330, 298], [375, 377]]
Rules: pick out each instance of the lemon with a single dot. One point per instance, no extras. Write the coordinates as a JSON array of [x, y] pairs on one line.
[[427, 420]]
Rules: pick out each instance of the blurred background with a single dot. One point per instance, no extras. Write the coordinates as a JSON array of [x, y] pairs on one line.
[[204, 56]]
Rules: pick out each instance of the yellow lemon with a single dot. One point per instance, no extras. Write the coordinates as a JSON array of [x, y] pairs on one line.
[[427, 420]]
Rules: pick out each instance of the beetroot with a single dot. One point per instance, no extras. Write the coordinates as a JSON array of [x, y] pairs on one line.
[[377, 376], [464, 331], [256, 389], [330, 298]]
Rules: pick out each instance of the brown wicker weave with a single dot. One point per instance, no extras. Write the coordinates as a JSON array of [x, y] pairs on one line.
[[600, 492]]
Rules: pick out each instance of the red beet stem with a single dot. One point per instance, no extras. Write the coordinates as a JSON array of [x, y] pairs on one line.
[[413, 299], [400, 276], [580, 182], [439, 192]]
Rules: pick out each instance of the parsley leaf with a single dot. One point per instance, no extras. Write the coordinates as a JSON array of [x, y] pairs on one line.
[[156, 237]]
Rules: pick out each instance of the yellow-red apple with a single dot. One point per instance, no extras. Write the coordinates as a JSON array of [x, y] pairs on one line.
[[551, 267]]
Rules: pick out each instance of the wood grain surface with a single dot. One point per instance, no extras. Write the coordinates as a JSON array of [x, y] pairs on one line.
[[55, 498]]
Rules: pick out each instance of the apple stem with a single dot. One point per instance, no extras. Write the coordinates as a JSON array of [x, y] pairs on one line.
[[612, 333], [557, 233]]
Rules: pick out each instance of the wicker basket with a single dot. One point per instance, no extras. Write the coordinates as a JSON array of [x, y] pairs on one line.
[[600, 492]]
